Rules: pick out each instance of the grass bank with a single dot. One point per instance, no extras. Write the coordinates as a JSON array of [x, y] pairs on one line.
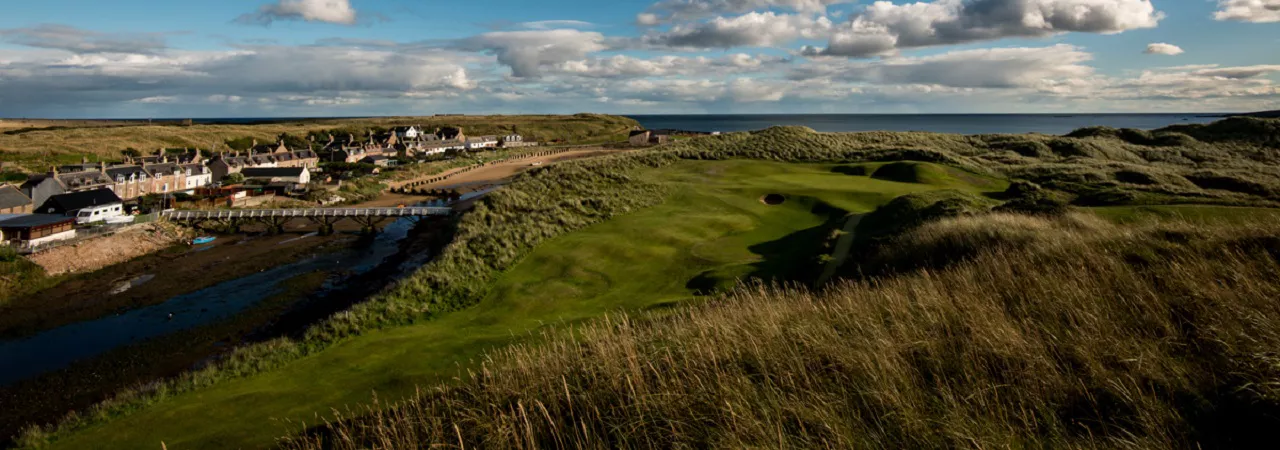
[[547, 203], [1065, 332], [723, 232]]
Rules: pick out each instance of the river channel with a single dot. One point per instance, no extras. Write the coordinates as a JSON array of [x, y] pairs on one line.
[[29, 357]]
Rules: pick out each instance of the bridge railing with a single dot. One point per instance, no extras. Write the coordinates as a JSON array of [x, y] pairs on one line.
[[308, 212]]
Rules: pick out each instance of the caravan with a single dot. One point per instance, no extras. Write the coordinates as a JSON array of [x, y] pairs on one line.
[[104, 213]]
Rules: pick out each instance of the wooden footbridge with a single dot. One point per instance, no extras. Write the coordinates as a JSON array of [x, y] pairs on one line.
[[275, 219]]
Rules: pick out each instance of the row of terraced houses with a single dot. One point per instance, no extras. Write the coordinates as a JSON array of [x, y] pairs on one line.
[[167, 173]]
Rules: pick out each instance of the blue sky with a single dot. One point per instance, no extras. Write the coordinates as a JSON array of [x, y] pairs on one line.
[[259, 58]]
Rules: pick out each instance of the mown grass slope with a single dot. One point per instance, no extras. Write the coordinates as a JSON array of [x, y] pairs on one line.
[[712, 223], [1067, 332], [548, 203]]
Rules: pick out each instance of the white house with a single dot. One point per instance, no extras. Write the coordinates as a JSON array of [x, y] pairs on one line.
[[197, 176], [409, 132], [293, 175], [479, 142]]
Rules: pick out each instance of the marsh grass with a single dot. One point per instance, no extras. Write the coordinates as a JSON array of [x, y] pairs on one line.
[[1042, 332]]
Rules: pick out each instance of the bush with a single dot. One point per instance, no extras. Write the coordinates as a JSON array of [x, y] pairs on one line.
[[909, 211]]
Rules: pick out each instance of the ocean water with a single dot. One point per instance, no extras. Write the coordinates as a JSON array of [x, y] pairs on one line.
[[938, 123]]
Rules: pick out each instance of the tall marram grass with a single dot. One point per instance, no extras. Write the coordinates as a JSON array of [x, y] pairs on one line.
[[1054, 333], [1232, 163], [501, 229]]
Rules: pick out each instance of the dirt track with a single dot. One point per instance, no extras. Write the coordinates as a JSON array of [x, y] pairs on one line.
[[506, 169]]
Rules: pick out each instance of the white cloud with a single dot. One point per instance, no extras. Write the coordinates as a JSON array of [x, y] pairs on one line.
[[749, 30], [220, 98], [329, 11], [157, 99], [623, 66], [1161, 48], [526, 52], [228, 77], [555, 24], [1045, 67], [1237, 73], [62, 37], [1257, 11], [884, 27], [683, 10]]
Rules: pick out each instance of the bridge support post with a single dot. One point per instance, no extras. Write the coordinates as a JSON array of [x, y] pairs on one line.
[[369, 224], [325, 224], [275, 225]]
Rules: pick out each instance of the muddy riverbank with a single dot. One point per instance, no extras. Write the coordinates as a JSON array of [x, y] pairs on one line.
[[304, 292], [170, 272]]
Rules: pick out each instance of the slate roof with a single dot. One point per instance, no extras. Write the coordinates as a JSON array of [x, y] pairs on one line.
[[272, 172], [80, 200], [11, 197], [82, 179], [161, 169], [126, 172], [34, 220]]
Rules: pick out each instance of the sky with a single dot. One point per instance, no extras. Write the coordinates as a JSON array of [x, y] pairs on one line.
[[335, 58]]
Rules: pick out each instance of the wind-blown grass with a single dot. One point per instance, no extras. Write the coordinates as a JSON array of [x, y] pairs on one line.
[[555, 200], [1066, 332]]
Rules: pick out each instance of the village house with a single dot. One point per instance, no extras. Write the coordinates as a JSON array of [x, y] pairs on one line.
[[129, 181], [166, 177], [515, 140], [223, 165], [481, 142], [40, 187], [36, 229], [71, 203], [451, 134], [407, 133], [379, 160], [195, 176], [291, 175], [13, 201]]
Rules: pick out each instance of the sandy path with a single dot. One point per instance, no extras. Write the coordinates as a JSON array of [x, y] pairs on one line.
[[489, 174], [506, 169], [842, 249]]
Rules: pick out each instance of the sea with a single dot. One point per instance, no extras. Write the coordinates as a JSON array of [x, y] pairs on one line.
[[1056, 124]]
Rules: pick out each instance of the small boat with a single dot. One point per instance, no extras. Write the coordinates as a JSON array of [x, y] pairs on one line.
[[202, 240], [119, 220]]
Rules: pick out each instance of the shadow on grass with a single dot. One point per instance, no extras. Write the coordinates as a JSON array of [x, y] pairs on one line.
[[795, 257]]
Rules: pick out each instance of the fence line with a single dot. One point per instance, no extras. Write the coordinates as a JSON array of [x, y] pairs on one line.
[[83, 234]]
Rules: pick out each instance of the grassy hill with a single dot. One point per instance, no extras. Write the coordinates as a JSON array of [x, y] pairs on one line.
[[649, 230], [1050, 335], [33, 148]]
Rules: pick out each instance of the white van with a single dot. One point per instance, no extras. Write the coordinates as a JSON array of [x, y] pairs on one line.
[[94, 214]]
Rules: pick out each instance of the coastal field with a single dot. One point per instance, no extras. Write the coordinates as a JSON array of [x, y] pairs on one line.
[[723, 228], [34, 147], [955, 276]]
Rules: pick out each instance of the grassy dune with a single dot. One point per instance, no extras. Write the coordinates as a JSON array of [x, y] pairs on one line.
[[723, 229], [1050, 335], [35, 148], [650, 228]]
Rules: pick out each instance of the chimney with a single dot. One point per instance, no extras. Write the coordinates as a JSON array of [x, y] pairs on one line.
[[84, 160], [54, 170], [330, 140]]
